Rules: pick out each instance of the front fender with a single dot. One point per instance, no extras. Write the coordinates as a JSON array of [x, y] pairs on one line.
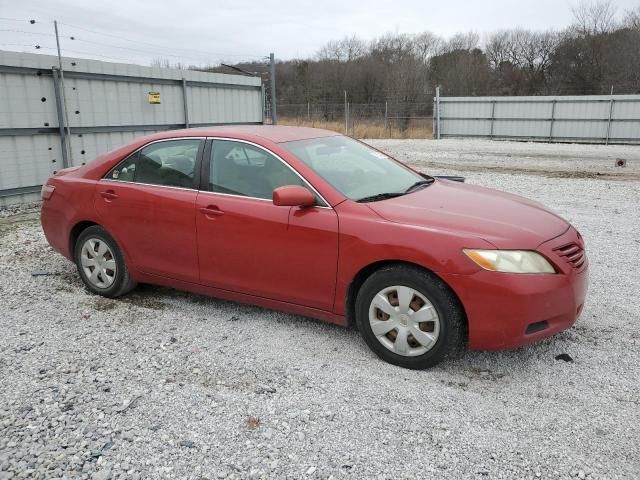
[[367, 239]]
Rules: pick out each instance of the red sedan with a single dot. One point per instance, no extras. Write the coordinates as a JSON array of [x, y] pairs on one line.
[[319, 224]]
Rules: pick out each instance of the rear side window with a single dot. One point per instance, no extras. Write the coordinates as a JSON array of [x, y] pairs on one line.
[[170, 163]]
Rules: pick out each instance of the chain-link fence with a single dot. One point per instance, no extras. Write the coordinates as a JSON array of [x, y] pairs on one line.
[[363, 120]]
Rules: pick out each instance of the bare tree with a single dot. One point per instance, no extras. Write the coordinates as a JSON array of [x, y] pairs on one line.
[[498, 47], [165, 63], [463, 41], [589, 57], [594, 17], [346, 50], [632, 19], [426, 45]]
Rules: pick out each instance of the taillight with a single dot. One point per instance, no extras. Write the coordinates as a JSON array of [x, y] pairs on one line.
[[47, 191]]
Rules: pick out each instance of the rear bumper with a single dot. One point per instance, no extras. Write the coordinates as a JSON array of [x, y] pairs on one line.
[[53, 225], [510, 310]]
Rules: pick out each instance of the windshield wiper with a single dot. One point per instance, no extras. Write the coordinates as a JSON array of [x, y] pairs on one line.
[[383, 196], [379, 196], [419, 184]]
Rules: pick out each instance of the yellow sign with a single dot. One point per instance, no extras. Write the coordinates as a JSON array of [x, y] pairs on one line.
[[154, 97]]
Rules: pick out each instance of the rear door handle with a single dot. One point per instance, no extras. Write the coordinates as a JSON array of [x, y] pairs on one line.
[[211, 210], [109, 195]]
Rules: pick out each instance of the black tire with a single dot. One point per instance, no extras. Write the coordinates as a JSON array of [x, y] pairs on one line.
[[122, 283], [451, 340]]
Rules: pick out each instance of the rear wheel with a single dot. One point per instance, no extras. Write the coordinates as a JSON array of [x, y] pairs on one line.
[[101, 264], [409, 317]]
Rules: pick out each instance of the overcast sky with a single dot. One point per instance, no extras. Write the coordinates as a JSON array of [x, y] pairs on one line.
[[204, 32]]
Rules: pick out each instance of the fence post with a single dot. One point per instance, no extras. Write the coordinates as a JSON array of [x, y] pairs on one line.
[[185, 103], [308, 111], [61, 129], [263, 101], [346, 118], [553, 118], [433, 119], [386, 115], [438, 113], [493, 116], [274, 112], [63, 95], [609, 120]]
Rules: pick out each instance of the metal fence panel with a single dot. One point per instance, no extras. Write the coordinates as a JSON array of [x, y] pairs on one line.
[[525, 128], [216, 105], [463, 127], [107, 106], [588, 119], [28, 159], [103, 102]]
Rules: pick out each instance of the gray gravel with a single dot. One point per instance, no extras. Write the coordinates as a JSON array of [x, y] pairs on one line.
[[551, 159], [164, 384]]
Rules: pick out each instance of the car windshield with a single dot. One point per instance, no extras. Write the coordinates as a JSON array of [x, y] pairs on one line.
[[354, 169]]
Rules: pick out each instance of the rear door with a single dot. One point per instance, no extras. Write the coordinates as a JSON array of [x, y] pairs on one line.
[[247, 244], [148, 201]]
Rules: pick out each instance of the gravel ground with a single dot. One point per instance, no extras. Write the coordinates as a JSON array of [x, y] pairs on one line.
[[549, 159], [164, 384]]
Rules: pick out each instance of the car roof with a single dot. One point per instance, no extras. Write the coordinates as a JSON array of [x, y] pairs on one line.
[[273, 133]]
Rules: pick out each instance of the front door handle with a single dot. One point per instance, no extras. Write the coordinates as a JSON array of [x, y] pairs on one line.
[[109, 195], [211, 210]]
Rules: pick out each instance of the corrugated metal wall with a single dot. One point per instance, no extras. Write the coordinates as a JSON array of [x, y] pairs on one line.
[[588, 119], [107, 106]]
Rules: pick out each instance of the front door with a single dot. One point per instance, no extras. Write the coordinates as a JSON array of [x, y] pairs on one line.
[[249, 245], [148, 202]]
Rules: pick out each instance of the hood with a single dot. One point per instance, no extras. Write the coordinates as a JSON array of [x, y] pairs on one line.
[[507, 221]]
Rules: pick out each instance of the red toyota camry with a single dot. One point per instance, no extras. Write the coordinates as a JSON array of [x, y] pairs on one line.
[[319, 224]]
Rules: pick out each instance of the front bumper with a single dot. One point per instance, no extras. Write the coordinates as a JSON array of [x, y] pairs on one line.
[[507, 310]]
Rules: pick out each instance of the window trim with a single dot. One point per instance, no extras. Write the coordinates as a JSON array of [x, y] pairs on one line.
[[196, 168], [206, 163], [201, 169]]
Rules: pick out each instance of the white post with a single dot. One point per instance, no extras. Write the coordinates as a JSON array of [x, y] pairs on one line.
[[610, 114], [438, 112]]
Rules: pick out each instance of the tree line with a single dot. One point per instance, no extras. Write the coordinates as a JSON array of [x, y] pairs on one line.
[[597, 51]]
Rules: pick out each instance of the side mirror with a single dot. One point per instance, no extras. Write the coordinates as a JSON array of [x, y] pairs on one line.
[[293, 196]]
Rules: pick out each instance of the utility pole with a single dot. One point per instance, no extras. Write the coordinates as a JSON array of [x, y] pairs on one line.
[[274, 115], [64, 97]]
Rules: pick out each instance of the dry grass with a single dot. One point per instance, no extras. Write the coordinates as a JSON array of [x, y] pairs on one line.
[[367, 128]]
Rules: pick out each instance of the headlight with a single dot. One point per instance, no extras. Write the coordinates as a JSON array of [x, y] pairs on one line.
[[510, 261]]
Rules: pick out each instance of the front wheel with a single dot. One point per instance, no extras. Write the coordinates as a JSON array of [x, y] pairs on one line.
[[409, 317], [101, 264]]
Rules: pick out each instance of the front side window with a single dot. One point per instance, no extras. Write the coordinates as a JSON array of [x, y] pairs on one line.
[[170, 163], [242, 169], [354, 169]]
